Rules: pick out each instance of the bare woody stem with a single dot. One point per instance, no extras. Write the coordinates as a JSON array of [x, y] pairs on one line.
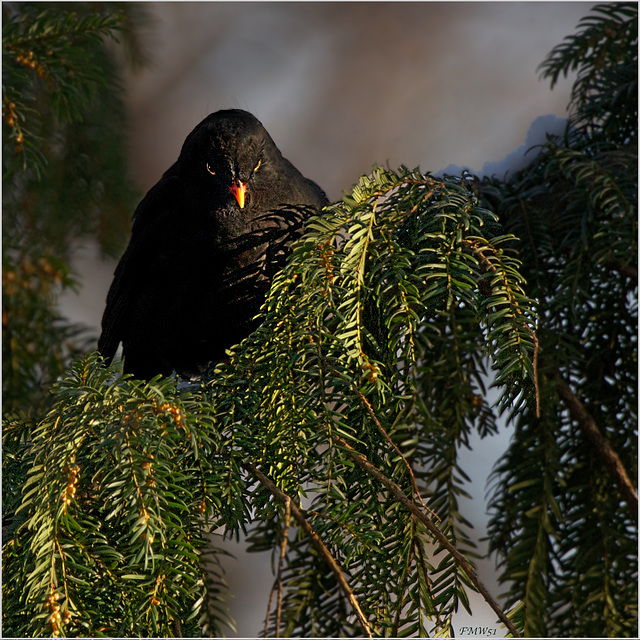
[[277, 585], [602, 447], [460, 560], [315, 540]]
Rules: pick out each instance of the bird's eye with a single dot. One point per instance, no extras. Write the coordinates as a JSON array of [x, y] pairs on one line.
[[213, 173], [257, 166]]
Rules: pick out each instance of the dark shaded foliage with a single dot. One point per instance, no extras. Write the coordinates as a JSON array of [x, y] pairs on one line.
[[565, 523], [64, 179]]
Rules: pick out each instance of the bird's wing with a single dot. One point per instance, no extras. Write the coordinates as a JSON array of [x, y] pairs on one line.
[[299, 189], [319, 195], [147, 241]]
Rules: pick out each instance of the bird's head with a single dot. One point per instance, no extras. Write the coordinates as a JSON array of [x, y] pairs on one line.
[[232, 154]]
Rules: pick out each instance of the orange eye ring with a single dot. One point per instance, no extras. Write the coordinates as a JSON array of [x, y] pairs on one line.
[[213, 173]]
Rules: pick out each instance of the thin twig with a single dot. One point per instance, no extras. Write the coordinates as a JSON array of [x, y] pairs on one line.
[[283, 553], [460, 560], [602, 446], [315, 540], [266, 619], [536, 350], [392, 443], [277, 584], [626, 270]]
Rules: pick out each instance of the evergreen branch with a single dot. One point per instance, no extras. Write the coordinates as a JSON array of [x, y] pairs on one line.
[[460, 560], [602, 446], [315, 540], [66, 27], [395, 448], [401, 599]]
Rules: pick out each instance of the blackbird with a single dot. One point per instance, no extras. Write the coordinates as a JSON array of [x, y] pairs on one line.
[[205, 243]]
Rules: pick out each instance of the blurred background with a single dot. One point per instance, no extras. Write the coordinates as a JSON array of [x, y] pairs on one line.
[[340, 87], [343, 85]]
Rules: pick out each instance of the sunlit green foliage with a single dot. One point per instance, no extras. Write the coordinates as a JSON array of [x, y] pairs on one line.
[[374, 335]]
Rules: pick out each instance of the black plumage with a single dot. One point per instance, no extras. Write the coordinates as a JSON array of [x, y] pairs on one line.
[[205, 244]]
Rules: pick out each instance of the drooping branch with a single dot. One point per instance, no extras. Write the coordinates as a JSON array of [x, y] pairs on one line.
[[315, 540], [460, 560], [602, 446]]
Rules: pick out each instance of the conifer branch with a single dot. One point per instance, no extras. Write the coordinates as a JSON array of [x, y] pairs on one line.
[[460, 560], [602, 446], [315, 540], [396, 449]]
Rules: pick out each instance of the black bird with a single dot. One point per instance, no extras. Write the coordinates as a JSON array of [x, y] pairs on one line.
[[205, 243]]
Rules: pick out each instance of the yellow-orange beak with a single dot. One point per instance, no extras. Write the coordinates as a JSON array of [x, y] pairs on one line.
[[238, 189]]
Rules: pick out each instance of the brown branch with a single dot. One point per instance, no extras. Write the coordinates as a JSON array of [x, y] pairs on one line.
[[460, 560], [315, 540], [277, 585], [536, 384], [395, 448], [602, 446], [283, 553], [625, 269]]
